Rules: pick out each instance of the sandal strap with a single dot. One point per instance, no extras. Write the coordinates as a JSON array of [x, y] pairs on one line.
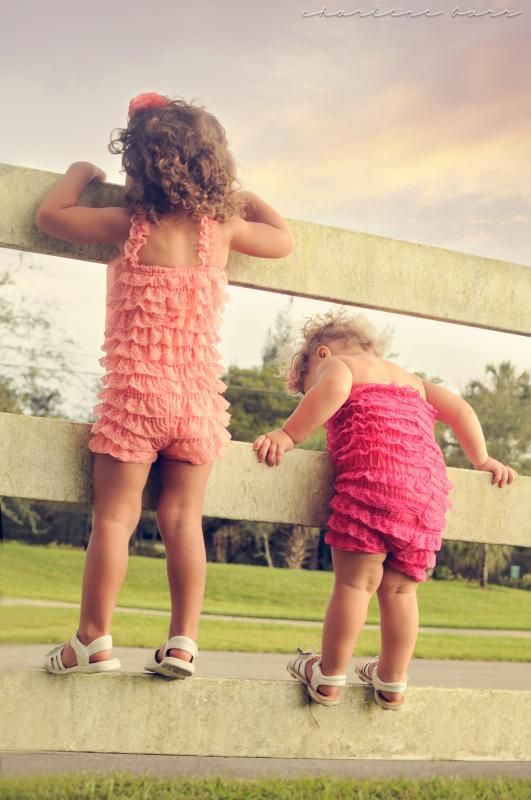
[[318, 679], [382, 686], [364, 668], [181, 643], [55, 660], [298, 663], [84, 652]]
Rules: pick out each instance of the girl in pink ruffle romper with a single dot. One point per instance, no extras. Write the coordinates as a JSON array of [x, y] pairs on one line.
[[390, 493], [162, 393]]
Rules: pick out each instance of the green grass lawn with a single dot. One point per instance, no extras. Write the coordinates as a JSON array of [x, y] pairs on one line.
[[128, 787], [26, 625], [54, 573]]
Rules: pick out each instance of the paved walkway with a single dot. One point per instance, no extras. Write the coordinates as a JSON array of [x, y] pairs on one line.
[[517, 634], [24, 764], [272, 666]]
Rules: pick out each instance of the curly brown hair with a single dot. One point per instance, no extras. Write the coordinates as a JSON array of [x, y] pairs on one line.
[[178, 159], [326, 328]]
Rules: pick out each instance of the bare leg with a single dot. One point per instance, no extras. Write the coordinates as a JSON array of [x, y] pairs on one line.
[[399, 612], [357, 577], [117, 505], [180, 516]]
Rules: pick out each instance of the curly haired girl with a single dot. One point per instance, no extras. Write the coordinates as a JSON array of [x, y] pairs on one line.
[[161, 395], [390, 498]]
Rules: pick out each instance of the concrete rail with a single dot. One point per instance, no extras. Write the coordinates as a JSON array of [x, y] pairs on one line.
[[328, 263], [240, 488]]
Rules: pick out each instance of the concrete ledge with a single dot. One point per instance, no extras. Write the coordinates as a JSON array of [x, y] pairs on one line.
[[297, 493], [328, 263], [127, 713]]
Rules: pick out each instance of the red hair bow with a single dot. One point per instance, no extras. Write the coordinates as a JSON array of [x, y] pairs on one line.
[[147, 100]]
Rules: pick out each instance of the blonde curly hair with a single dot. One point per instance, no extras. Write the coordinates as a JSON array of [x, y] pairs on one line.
[[326, 328], [178, 158]]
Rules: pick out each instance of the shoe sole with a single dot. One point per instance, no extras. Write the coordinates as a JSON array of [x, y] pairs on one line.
[[169, 671]]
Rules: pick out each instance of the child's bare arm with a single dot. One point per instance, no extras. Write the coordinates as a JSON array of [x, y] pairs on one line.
[[60, 215], [333, 385], [463, 420], [263, 233]]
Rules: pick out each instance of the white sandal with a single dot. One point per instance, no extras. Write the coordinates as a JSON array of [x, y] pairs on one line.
[[53, 661], [174, 667], [297, 669], [370, 677]]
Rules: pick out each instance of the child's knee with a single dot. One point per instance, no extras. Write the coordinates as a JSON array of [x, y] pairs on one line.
[[173, 515], [125, 517], [395, 582], [366, 580], [361, 571]]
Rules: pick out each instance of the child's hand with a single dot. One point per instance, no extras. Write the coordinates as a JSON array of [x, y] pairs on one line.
[[271, 446], [92, 172], [99, 175], [500, 473]]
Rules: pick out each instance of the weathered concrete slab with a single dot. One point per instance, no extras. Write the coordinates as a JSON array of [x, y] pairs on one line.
[[240, 488], [127, 713], [328, 263]]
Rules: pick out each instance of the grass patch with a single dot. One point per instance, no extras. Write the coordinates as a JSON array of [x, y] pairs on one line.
[[54, 573], [26, 625], [127, 787]]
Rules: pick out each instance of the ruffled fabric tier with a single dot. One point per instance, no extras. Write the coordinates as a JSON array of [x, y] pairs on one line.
[[390, 476], [162, 364]]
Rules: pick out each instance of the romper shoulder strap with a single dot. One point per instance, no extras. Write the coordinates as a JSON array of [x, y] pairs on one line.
[[138, 234], [208, 242]]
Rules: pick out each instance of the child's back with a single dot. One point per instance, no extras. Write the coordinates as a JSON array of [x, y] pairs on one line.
[[175, 241], [367, 367]]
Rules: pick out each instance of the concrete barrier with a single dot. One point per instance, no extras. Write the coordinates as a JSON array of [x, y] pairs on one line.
[[126, 713], [328, 263], [240, 488]]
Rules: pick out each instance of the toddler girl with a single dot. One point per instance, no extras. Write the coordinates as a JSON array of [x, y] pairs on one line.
[[161, 396], [391, 493]]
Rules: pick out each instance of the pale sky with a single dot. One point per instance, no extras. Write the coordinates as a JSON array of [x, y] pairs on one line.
[[418, 129]]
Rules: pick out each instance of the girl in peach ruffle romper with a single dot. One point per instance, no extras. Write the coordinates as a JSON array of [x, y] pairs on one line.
[[161, 395], [390, 493]]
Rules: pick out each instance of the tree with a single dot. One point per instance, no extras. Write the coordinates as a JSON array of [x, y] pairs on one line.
[[503, 404], [30, 343], [280, 338], [36, 354], [260, 402], [299, 547]]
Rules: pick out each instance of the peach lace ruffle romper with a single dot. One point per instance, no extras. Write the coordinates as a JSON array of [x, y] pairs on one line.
[[161, 390], [391, 489]]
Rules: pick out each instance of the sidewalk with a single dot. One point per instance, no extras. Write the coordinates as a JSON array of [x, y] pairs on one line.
[[517, 634], [26, 764]]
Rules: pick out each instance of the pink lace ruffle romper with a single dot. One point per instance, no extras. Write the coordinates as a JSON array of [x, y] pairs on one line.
[[391, 489], [161, 390]]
